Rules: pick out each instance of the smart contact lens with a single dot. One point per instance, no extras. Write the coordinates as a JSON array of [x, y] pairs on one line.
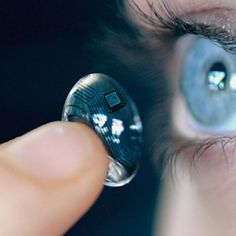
[[100, 102]]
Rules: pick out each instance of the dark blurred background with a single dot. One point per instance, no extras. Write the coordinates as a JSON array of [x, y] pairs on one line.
[[45, 46]]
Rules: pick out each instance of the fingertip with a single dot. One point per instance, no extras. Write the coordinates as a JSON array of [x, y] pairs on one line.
[[57, 151]]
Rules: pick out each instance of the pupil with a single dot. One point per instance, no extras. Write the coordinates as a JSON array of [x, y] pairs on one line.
[[217, 77]]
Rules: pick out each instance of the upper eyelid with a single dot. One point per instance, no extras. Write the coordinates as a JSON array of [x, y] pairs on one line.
[[167, 26]]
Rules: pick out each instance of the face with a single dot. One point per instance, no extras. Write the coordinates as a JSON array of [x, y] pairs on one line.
[[195, 44]]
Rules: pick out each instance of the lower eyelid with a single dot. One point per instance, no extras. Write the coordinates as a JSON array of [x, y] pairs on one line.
[[213, 157]]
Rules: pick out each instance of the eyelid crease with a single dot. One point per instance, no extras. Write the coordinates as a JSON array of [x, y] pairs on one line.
[[168, 26]]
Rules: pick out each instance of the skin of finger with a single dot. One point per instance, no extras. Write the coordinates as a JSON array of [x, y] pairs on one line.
[[53, 151], [31, 207]]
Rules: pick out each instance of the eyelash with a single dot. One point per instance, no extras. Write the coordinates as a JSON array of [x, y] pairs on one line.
[[169, 27], [197, 148]]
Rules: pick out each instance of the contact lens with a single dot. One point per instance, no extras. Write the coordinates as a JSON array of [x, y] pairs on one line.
[[100, 102]]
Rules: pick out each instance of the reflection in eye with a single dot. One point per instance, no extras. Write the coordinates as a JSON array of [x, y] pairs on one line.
[[217, 77], [208, 85]]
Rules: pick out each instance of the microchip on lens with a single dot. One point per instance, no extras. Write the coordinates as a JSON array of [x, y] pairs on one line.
[[113, 101]]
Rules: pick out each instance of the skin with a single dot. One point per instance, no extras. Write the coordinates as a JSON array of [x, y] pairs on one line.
[[42, 197], [200, 201], [49, 178]]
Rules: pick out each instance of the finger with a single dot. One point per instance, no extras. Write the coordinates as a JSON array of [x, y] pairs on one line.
[[49, 178]]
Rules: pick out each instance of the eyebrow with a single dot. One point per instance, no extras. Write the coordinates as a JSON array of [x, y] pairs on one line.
[[169, 26]]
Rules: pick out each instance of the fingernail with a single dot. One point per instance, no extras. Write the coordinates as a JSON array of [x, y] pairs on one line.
[[57, 151]]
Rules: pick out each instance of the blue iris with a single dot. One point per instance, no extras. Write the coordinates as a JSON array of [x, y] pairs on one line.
[[207, 82]]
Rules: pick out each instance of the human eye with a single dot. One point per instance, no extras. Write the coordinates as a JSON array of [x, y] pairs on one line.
[[207, 90], [199, 65]]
